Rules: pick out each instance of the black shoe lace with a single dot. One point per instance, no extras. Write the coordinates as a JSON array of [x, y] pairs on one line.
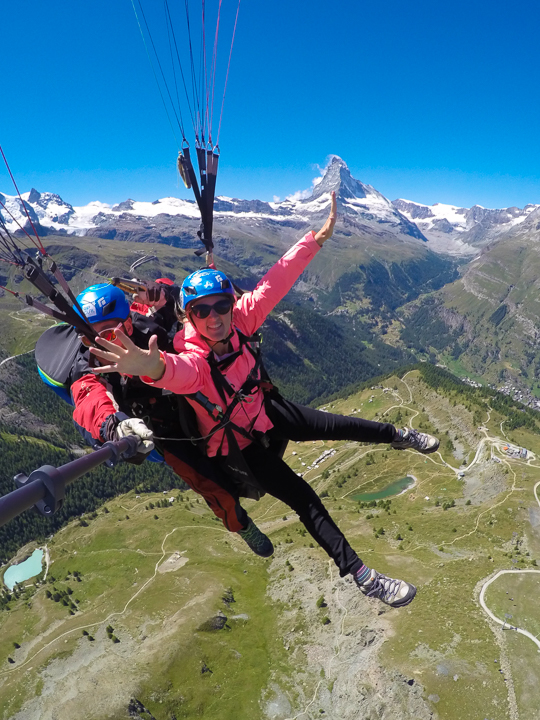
[[253, 536], [418, 439], [378, 590]]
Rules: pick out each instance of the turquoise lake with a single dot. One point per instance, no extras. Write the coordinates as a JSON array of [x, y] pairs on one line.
[[398, 486], [25, 570]]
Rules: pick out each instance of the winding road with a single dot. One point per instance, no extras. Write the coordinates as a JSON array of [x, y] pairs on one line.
[[494, 617], [12, 357], [497, 442], [506, 572]]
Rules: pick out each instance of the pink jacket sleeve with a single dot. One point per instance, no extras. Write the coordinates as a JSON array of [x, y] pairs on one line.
[[253, 308], [188, 372], [182, 373]]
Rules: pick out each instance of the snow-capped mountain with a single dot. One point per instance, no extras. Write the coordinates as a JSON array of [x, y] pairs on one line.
[[362, 208], [359, 203], [462, 231], [59, 217], [363, 211]]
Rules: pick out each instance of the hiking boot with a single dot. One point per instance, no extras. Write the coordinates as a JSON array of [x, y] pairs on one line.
[[409, 438], [396, 593], [256, 540]]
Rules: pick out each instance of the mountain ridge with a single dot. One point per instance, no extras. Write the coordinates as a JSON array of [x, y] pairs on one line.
[[445, 229]]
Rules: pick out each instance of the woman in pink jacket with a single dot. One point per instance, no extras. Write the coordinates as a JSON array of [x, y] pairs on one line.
[[218, 369]]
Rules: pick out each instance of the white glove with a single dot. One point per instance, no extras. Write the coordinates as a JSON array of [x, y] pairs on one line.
[[136, 426]]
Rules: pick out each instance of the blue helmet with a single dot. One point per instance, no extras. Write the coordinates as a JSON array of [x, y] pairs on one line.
[[203, 283], [103, 302]]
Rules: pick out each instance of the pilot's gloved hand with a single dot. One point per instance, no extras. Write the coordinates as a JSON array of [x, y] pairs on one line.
[[154, 295], [136, 426]]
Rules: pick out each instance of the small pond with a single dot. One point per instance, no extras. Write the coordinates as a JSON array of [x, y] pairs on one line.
[[25, 570], [395, 488]]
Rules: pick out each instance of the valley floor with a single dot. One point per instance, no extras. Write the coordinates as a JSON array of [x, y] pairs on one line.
[[299, 642]]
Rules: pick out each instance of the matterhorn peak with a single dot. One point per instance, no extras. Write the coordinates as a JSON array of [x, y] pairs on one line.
[[337, 177]]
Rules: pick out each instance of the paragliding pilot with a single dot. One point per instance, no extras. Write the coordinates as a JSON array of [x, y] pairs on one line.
[[219, 371]]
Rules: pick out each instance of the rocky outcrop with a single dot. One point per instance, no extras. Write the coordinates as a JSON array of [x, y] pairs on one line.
[[137, 711], [341, 674]]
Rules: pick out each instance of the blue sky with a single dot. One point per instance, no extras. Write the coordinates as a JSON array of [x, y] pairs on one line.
[[432, 101]]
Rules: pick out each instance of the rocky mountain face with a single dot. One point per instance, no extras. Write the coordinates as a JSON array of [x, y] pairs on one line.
[[361, 205], [463, 231], [487, 321]]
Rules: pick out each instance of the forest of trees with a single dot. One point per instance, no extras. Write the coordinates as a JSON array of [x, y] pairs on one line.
[[390, 285], [517, 415], [312, 357], [425, 328], [27, 392], [498, 316]]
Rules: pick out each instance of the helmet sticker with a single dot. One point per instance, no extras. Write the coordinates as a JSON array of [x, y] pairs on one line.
[[205, 282], [89, 309]]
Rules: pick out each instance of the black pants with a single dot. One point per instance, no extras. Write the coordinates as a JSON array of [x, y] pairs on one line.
[[275, 477], [291, 422], [297, 422]]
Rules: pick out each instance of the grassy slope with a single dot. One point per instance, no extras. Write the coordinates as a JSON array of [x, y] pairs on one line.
[[505, 274], [447, 553]]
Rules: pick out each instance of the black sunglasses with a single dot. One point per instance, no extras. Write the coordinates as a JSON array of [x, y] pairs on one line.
[[222, 307]]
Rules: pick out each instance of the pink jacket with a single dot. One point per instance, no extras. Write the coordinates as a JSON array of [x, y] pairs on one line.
[[189, 372]]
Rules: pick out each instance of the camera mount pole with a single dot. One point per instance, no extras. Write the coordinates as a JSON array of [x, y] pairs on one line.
[[45, 487]]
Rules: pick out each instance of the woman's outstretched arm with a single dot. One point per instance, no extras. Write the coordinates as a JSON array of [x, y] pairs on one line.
[[129, 359], [327, 229], [252, 308]]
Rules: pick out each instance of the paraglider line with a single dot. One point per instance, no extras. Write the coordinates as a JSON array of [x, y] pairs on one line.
[[227, 76], [213, 70], [170, 25], [193, 74], [153, 70], [18, 223], [202, 77], [22, 201]]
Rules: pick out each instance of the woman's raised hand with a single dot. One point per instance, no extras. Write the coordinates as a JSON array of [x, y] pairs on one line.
[[328, 228], [128, 359]]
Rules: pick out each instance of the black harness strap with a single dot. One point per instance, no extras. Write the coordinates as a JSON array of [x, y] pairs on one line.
[[204, 189], [64, 311], [234, 462], [257, 379]]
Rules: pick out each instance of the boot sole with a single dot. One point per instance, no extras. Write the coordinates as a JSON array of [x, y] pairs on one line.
[[429, 450], [422, 452], [267, 554], [407, 600]]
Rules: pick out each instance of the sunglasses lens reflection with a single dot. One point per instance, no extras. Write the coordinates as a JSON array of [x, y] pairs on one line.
[[222, 307], [109, 334]]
